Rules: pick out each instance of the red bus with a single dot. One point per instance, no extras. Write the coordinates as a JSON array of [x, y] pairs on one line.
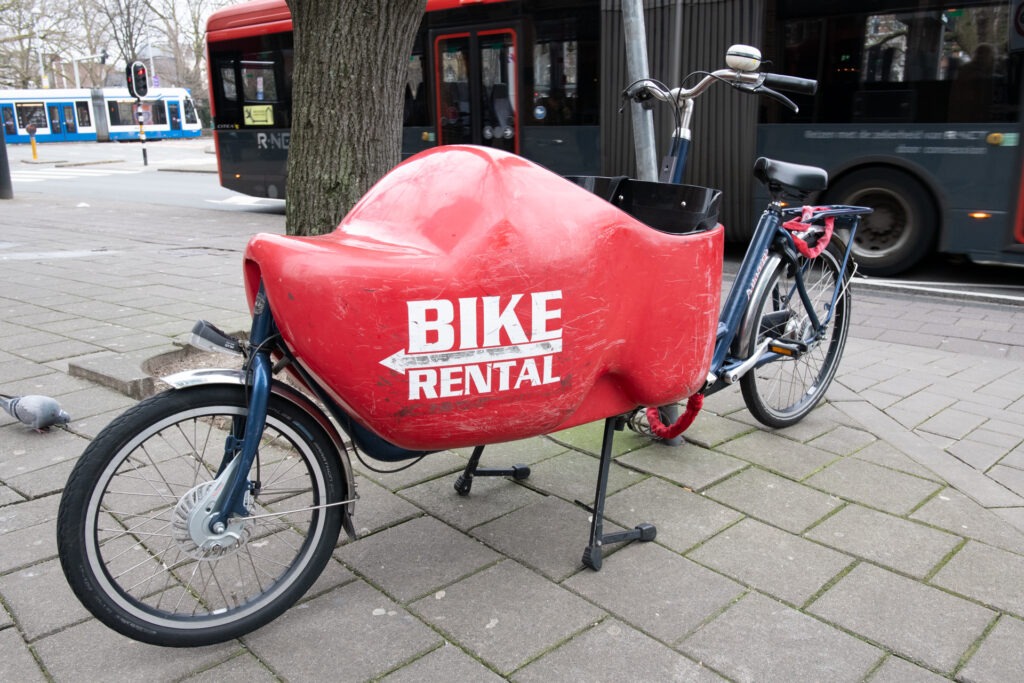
[[893, 122], [491, 73]]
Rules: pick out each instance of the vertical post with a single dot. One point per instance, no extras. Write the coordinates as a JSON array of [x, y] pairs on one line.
[[142, 131], [643, 119], [637, 68], [6, 188], [42, 70], [77, 82]]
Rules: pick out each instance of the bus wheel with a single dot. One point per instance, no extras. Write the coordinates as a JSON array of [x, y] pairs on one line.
[[901, 230]]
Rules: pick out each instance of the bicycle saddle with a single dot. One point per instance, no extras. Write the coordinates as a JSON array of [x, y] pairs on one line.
[[792, 179]]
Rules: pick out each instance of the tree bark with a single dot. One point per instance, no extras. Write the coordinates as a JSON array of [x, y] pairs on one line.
[[351, 61]]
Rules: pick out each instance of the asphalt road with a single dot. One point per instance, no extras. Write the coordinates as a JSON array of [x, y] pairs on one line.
[[183, 173]]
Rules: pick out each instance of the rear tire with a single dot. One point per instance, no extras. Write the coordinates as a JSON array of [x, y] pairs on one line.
[[124, 540], [901, 231], [783, 392]]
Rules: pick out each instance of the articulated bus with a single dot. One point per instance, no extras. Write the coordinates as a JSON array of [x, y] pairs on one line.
[[917, 115], [541, 78], [97, 114]]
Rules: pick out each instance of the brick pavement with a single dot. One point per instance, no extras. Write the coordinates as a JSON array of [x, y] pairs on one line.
[[879, 540]]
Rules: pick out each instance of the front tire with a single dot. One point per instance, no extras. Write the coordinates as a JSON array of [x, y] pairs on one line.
[[122, 531], [782, 392]]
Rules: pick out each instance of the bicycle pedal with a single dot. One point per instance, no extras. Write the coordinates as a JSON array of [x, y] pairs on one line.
[[791, 349]]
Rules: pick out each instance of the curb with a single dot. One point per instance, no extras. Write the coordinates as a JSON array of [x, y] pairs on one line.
[[124, 373], [68, 164], [937, 292]]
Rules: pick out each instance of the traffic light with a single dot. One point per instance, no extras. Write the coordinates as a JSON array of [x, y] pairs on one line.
[[138, 79], [104, 56]]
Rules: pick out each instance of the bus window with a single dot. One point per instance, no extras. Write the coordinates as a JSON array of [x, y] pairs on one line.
[[932, 66], [258, 81], [32, 112], [227, 82], [497, 73], [417, 110], [555, 77], [453, 90], [84, 119]]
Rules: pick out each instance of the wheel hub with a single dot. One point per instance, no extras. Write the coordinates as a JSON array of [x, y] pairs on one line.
[[190, 524]]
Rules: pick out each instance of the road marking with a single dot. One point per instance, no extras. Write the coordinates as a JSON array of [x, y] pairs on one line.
[[240, 200], [39, 175]]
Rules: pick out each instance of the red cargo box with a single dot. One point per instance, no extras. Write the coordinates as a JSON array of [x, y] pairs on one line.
[[473, 297]]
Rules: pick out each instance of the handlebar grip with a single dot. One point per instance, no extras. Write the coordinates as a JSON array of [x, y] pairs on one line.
[[804, 86]]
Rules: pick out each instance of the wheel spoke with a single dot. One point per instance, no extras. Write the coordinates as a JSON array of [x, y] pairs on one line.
[[133, 527], [781, 392]]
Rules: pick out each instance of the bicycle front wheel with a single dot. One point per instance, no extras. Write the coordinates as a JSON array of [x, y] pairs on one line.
[[136, 562], [782, 392]]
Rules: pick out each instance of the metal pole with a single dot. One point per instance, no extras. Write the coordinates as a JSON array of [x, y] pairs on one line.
[[77, 82], [42, 70], [142, 131], [6, 188], [637, 68]]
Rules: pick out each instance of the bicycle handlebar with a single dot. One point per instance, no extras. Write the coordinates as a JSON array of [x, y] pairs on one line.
[[804, 86], [747, 81]]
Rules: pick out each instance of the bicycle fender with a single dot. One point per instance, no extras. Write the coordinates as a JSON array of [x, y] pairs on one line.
[[210, 376], [763, 280]]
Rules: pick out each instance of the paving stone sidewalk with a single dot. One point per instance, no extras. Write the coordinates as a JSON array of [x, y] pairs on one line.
[[878, 540]]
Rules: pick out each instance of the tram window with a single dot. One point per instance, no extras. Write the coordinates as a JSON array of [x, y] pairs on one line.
[[155, 113], [120, 112], [32, 112], [190, 112], [258, 81], [69, 119], [9, 126], [82, 109]]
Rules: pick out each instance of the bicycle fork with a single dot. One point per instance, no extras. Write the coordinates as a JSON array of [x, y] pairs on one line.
[[218, 521]]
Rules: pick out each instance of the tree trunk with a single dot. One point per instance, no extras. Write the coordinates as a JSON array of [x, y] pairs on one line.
[[351, 61]]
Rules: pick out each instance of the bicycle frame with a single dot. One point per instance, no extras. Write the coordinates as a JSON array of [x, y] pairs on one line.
[[770, 240], [725, 368]]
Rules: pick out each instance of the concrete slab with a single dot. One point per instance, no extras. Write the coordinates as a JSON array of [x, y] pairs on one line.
[[905, 546], [657, 591], [917, 622], [758, 639], [785, 566], [614, 651], [774, 499], [506, 615]]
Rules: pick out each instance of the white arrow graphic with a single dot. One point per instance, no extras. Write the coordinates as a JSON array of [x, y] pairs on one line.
[[402, 361]]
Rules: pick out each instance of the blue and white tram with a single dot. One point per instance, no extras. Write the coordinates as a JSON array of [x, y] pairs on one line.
[[103, 114]]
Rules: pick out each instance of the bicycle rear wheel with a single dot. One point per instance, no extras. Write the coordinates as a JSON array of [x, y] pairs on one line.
[[782, 392], [126, 543]]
